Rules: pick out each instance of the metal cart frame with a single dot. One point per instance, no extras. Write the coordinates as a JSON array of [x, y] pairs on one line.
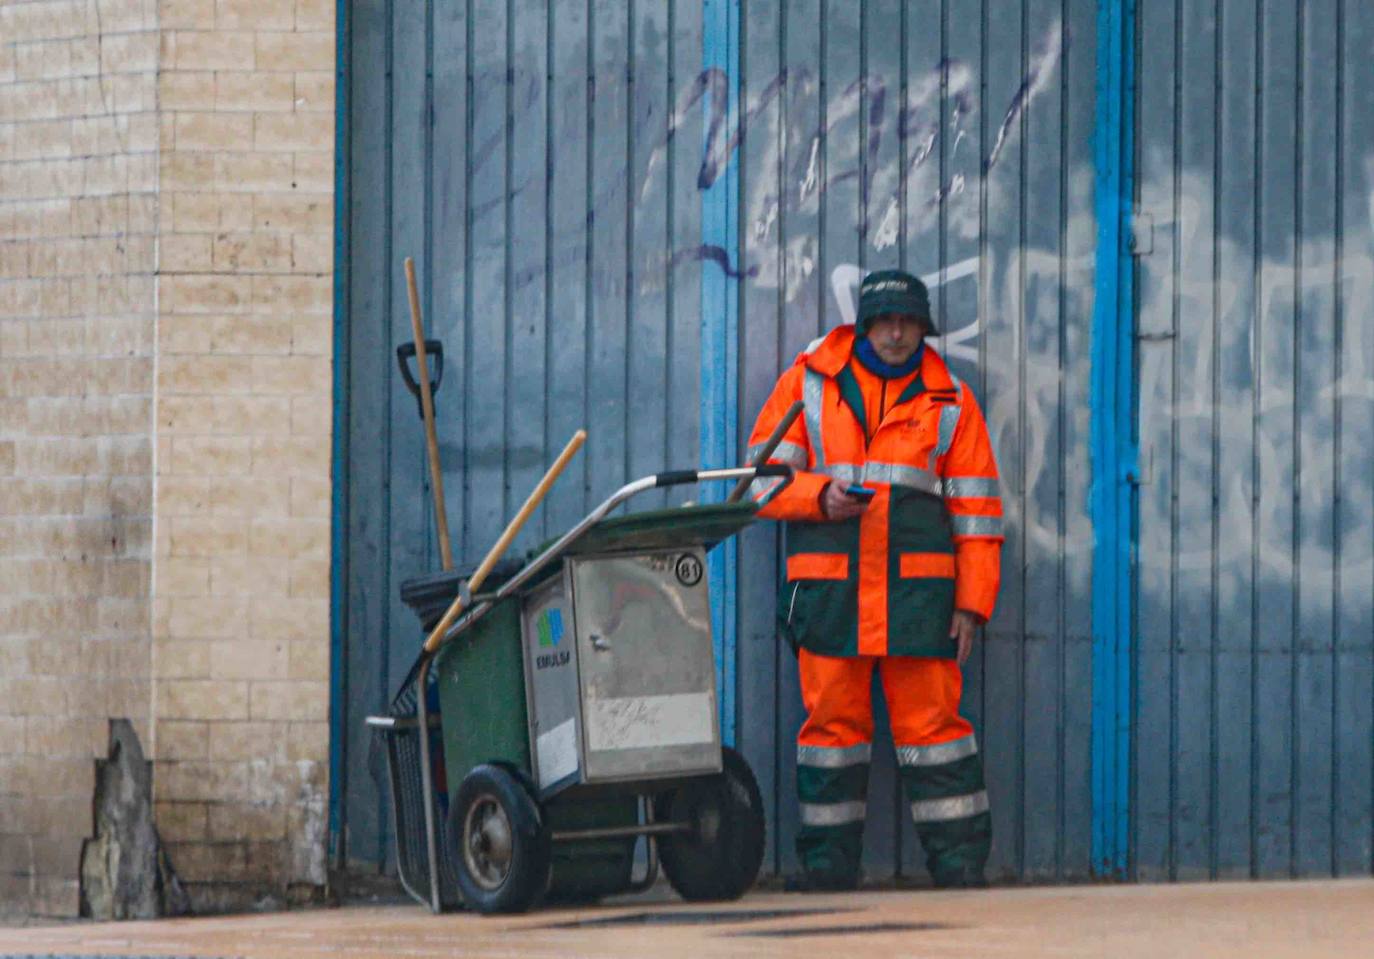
[[478, 607]]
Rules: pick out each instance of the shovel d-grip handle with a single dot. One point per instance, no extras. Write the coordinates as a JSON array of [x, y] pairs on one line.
[[405, 353]]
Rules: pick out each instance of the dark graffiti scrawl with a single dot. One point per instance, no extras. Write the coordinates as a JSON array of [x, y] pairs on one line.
[[940, 107]]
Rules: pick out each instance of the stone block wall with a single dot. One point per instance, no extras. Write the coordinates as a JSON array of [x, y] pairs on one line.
[[241, 615], [78, 237], [166, 235]]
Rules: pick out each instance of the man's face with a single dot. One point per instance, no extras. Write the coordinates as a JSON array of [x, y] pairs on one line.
[[895, 336]]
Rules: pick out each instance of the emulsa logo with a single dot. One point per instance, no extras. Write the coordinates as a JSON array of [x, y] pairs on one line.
[[550, 630]]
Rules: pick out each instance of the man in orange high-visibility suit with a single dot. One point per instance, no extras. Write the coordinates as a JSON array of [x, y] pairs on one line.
[[893, 560]]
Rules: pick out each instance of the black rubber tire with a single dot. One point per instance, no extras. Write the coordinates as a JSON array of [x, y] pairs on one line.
[[495, 816], [720, 858]]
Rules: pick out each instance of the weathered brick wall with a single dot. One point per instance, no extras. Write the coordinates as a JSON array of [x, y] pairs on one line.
[[166, 192], [78, 218], [241, 609]]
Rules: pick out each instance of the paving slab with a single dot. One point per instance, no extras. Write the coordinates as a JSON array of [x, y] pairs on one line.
[[1314, 920]]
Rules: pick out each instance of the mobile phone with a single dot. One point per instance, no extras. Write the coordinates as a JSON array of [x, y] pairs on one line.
[[862, 493]]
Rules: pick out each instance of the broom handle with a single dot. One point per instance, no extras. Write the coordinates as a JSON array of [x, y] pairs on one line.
[[475, 583], [436, 474], [774, 439]]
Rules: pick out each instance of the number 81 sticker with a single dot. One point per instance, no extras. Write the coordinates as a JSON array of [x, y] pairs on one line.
[[688, 569]]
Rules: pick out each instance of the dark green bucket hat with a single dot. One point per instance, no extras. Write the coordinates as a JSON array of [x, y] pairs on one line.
[[893, 291]]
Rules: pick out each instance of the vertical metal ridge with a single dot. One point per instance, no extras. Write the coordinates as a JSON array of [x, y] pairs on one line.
[[669, 232], [507, 203], [1214, 618], [1294, 654], [629, 227], [1061, 520], [719, 442], [903, 69], [339, 437], [1175, 255], [426, 290], [550, 45], [384, 670], [468, 86], [823, 161], [1127, 508], [739, 25], [589, 247], [940, 182], [861, 197], [427, 208], [1111, 501], [388, 287], [1021, 363], [1338, 374], [1257, 353], [780, 315]]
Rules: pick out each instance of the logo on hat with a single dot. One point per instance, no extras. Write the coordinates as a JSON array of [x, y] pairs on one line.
[[882, 286]]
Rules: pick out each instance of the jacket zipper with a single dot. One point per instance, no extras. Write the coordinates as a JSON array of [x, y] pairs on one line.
[[872, 428]]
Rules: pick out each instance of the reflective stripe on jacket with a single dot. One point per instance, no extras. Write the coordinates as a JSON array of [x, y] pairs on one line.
[[930, 540]]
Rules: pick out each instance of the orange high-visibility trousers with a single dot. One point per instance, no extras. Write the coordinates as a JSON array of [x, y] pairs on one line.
[[937, 754]]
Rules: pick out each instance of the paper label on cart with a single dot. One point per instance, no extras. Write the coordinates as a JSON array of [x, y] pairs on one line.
[[557, 750], [640, 722]]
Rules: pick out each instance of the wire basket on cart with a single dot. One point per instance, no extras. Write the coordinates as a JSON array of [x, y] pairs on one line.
[[399, 731], [409, 783]]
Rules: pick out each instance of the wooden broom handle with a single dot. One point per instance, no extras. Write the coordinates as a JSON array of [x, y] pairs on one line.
[[475, 583], [436, 473], [768, 448]]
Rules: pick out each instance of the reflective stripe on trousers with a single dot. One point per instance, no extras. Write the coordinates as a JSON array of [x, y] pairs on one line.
[[939, 753], [834, 757], [833, 813], [952, 807]]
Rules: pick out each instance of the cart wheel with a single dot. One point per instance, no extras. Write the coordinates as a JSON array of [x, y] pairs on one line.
[[498, 842], [721, 856]]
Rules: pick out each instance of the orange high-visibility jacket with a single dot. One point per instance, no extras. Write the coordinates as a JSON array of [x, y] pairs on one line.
[[930, 541]]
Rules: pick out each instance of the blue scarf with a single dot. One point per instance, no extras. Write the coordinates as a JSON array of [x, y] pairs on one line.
[[868, 356]]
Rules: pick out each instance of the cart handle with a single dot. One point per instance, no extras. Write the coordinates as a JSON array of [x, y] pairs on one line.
[[560, 546], [677, 477]]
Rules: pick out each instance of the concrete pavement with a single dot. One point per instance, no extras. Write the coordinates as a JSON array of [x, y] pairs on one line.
[[1314, 920]]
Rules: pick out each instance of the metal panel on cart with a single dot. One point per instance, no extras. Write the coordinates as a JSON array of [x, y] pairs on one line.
[[645, 665], [551, 680]]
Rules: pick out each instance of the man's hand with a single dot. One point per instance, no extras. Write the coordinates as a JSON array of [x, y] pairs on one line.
[[837, 505], [963, 627]]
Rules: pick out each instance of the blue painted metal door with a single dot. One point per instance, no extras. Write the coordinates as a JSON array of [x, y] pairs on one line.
[[1253, 270]]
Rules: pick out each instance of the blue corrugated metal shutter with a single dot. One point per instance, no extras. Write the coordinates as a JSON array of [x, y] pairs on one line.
[[631, 216]]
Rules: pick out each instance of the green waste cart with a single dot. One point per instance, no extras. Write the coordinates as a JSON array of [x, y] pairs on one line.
[[576, 715]]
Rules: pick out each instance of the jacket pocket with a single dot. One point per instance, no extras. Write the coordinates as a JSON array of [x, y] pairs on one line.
[[920, 605], [817, 566], [820, 615], [818, 604], [925, 566]]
